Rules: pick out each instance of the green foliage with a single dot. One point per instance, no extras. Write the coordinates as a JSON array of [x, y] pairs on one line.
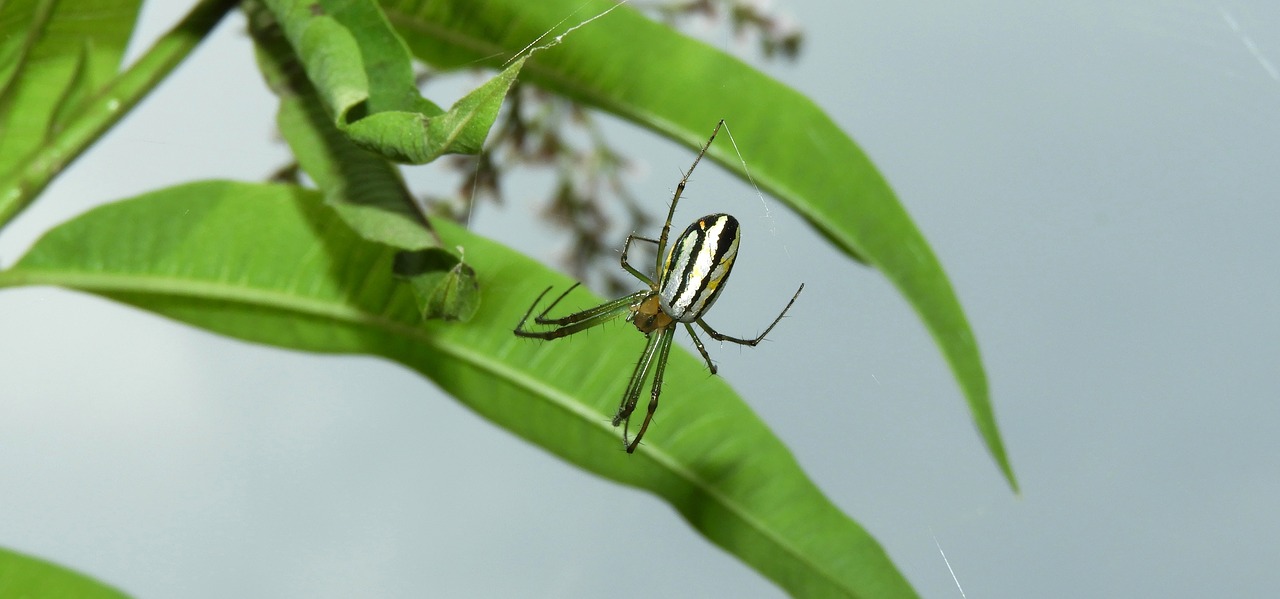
[[361, 186], [446, 286], [25, 576], [61, 90], [268, 283], [362, 72], [52, 56], [355, 266], [645, 72]]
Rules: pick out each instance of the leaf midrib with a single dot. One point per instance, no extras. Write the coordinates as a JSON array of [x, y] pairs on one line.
[[219, 290]]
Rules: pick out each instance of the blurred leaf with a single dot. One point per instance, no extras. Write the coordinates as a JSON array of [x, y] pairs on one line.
[[367, 191], [22, 576], [645, 72], [363, 72], [271, 264], [74, 96], [446, 287], [53, 53], [59, 89]]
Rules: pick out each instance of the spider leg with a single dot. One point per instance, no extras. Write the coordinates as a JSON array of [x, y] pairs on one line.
[[638, 376], [578, 321], [525, 318], [702, 350], [542, 316], [631, 269], [664, 351], [671, 211], [751, 342], [609, 306]]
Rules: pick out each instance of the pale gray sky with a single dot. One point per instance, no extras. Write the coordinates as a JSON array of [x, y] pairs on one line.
[[1099, 180]]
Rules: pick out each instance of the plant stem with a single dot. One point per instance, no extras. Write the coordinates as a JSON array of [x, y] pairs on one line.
[[24, 183]]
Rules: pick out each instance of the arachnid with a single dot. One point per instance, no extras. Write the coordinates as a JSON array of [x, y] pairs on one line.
[[690, 276]]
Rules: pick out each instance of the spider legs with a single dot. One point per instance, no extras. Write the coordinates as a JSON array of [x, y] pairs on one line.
[[671, 211], [638, 376], [578, 321], [644, 308], [750, 342], [701, 349], [631, 269], [663, 352], [657, 348]]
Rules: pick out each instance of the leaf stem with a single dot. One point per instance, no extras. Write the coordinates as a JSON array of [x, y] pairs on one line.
[[20, 186]]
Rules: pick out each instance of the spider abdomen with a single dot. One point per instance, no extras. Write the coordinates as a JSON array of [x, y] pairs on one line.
[[698, 267]]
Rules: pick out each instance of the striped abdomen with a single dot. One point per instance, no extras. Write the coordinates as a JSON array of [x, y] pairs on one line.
[[698, 266]]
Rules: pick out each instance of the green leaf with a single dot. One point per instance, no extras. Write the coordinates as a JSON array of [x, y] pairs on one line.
[[26, 576], [58, 50], [59, 91], [363, 72], [272, 264], [645, 72], [446, 287], [366, 191], [74, 96]]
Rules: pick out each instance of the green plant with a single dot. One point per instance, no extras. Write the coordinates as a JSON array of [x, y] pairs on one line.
[[355, 266]]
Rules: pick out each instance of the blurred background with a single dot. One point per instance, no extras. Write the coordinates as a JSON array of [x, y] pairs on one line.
[[1099, 180]]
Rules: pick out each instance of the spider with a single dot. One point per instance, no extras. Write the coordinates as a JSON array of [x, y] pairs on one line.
[[689, 280]]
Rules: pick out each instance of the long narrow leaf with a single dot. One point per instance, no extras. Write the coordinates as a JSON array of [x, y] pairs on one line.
[[272, 264], [364, 188], [62, 73], [643, 71], [56, 47], [26, 576], [362, 71], [367, 191]]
